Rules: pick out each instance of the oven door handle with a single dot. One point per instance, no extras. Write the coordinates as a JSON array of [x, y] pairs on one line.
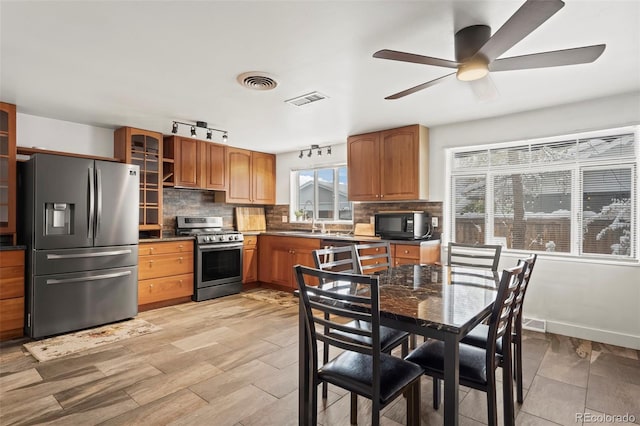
[[223, 246]]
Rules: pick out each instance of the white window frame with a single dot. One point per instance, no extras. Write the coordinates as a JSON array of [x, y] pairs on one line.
[[293, 202], [577, 169]]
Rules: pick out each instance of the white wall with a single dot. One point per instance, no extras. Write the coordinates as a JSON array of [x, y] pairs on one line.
[[599, 301], [58, 135]]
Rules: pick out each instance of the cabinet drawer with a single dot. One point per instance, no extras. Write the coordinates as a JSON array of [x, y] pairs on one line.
[[11, 282], [12, 316], [250, 240], [408, 252], [403, 261], [11, 258], [164, 265], [147, 249], [160, 289]]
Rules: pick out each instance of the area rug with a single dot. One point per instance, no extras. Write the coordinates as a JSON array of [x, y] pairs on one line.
[[67, 344], [281, 298]]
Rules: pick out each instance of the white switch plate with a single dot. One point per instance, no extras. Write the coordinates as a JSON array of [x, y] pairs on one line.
[[285, 219], [434, 221]]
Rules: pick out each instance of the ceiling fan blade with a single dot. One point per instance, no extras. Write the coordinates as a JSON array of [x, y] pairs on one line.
[[578, 55], [419, 87], [530, 16], [394, 55], [484, 89]]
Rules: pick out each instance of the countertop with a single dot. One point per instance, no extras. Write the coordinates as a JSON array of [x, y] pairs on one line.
[[341, 237], [7, 248], [163, 239]]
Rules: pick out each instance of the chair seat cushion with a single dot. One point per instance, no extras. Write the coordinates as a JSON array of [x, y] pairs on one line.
[[353, 371], [389, 337], [478, 338], [473, 363]]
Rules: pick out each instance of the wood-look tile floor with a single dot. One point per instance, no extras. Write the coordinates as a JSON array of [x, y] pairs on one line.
[[233, 361]]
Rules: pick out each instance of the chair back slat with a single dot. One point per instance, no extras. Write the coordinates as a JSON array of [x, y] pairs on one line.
[[336, 259], [373, 257], [327, 312], [474, 255], [502, 312], [529, 264]]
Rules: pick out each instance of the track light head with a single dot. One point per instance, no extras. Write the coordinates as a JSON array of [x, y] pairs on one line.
[[329, 151], [225, 138], [300, 156], [209, 134], [174, 128], [193, 131], [309, 154]]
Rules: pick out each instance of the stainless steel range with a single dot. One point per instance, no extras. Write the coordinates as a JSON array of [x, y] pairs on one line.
[[218, 257]]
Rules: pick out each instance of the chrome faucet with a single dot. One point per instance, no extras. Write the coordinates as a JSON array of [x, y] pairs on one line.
[[313, 216]]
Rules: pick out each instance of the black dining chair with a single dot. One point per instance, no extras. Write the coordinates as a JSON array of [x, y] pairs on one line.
[[361, 368], [342, 259], [477, 366], [478, 336], [373, 257], [484, 256]]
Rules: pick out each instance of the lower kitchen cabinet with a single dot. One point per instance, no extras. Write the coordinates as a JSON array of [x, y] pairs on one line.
[[250, 259], [278, 255], [11, 294], [165, 273], [427, 252]]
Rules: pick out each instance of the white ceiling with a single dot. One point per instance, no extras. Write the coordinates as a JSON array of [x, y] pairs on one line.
[[144, 63]]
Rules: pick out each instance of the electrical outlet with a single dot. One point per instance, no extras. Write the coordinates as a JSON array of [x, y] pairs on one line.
[[285, 219], [434, 221], [372, 220]]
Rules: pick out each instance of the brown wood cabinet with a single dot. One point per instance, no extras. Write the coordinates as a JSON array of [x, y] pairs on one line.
[[427, 252], [165, 273], [8, 172], [278, 255], [252, 177], [390, 165], [193, 163], [11, 293], [250, 259], [144, 148]]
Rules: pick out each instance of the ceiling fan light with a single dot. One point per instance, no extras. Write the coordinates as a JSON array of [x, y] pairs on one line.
[[471, 71]]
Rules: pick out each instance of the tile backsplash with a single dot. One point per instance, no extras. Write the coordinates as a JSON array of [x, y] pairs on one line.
[[185, 202], [362, 214]]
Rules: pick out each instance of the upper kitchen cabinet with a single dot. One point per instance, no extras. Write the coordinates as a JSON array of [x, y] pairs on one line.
[[144, 148], [8, 172], [192, 163], [252, 177], [390, 165]]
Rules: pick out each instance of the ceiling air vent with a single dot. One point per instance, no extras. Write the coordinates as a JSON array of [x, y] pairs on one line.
[[257, 80], [306, 99]]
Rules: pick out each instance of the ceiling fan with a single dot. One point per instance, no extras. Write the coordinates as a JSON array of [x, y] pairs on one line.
[[477, 51]]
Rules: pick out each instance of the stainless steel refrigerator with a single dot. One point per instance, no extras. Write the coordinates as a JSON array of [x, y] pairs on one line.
[[81, 232]]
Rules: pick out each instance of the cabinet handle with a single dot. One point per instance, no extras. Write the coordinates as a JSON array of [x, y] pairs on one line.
[[151, 249], [180, 259], [180, 246], [406, 252], [151, 263], [382, 196], [377, 196], [180, 281], [150, 285]]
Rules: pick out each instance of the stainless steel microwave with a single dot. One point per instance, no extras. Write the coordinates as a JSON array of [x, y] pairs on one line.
[[403, 225]]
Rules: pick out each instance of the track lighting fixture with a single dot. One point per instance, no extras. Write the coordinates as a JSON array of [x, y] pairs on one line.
[[202, 125], [316, 148]]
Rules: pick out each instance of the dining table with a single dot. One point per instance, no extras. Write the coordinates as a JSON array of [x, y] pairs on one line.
[[434, 301]]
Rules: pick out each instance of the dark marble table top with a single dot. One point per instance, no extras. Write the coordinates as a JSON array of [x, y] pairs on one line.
[[451, 299]]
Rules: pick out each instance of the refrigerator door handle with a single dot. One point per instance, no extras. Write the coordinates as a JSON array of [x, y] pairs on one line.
[[99, 199], [92, 278], [81, 255], [91, 204]]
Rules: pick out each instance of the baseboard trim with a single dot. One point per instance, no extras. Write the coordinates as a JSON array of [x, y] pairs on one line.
[[594, 334]]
